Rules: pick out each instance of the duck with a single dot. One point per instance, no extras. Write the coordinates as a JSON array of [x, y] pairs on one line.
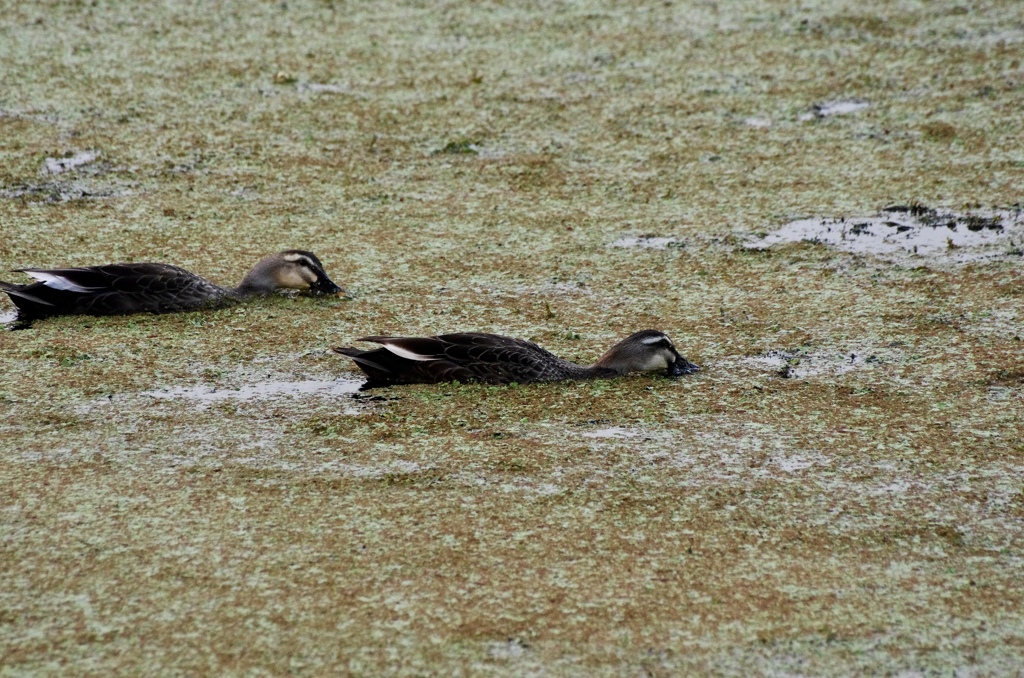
[[127, 288], [497, 359]]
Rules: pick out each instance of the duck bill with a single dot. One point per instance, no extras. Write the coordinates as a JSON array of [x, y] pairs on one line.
[[681, 366], [324, 286]]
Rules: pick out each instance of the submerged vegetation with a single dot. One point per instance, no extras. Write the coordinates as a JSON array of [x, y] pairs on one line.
[[840, 490]]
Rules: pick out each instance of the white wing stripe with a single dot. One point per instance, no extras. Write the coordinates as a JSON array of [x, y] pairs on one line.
[[407, 354], [58, 282]]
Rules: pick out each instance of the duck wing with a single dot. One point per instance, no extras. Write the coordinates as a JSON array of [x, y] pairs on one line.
[[118, 289], [468, 356]]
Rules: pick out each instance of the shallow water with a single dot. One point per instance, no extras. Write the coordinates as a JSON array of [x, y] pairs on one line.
[[8, 317]]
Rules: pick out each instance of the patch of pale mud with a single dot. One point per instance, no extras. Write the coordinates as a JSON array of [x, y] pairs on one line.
[[241, 387], [1003, 323], [35, 117], [653, 242], [956, 654], [390, 468], [1003, 394], [323, 88], [271, 359], [746, 452], [73, 176], [70, 162], [900, 486], [611, 432], [707, 454], [202, 445], [64, 191], [829, 108], [566, 288], [246, 193], [524, 486], [813, 363], [552, 289], [534, 484], [730, 452], [913, 234], [505, 650], [797, 461], [205, 395]]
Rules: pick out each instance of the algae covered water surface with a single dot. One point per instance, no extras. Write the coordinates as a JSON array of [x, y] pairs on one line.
[[838, 491]]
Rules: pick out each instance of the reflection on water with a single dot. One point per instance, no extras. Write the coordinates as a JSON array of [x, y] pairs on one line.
[[8, 317], [258, 391]]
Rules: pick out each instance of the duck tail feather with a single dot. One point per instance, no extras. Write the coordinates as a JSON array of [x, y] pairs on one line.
[[16, 292]]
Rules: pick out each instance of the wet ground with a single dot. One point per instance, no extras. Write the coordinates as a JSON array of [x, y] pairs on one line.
[[914, 234], [821, 206]]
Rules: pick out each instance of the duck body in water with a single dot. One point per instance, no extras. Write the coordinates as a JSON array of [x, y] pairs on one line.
[[123, 289], [496, 359]]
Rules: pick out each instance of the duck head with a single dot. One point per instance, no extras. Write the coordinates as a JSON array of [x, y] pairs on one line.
[[646, 351], [292, 269]]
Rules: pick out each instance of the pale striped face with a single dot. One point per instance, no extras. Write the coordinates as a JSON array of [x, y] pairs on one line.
[[657, 361], [658, 354], [645, 351], [298, 270], [662, 354]]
